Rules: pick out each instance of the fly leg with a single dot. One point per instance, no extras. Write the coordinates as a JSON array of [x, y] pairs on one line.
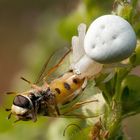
[[54, 102], [56, 108], [78, 105], [84, 84]]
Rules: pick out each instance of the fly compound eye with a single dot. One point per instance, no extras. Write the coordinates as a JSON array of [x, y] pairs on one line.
[[32, 96], [22, 101]]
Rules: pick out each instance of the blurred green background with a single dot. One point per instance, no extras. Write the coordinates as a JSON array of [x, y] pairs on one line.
[[30, 31]]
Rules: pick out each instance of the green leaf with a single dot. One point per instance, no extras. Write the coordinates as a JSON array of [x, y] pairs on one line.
[[131, 95], [137, 59], [125, 12], [68, 26], [82, 134]]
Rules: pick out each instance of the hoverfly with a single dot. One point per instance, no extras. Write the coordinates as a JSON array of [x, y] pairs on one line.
[[48, 99]]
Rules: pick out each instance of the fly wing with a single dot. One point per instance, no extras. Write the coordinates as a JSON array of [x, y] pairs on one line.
[[68, 61], [78, 44], [52, 68]]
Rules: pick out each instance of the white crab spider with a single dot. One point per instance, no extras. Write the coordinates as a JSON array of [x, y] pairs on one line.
[[109, 39]]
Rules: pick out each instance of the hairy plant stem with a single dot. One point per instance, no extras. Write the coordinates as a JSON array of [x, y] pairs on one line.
[[114, 116], [133, 11]]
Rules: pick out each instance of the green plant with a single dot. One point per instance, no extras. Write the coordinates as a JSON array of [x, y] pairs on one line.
[[121, 92]]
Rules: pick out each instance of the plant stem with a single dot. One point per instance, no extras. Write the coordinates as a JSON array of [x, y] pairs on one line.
[[114, 116]]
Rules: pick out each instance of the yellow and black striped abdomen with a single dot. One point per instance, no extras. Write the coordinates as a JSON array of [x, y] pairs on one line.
[[65, 86]]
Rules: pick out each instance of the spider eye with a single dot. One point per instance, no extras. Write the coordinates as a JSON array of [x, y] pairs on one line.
[[22, 101]]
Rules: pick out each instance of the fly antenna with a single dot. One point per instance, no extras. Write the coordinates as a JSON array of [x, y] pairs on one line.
[[32, 85], [24, 79], [9, 116], [64, 133], [10, 93], [7, 109]]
